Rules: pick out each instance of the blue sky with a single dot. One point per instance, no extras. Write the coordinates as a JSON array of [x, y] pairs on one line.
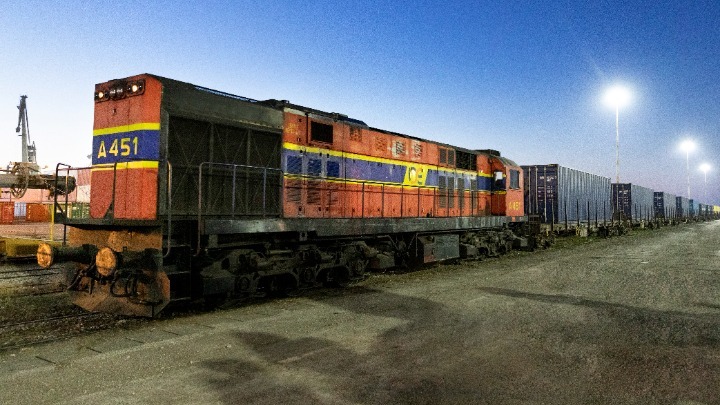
[[526, 78]]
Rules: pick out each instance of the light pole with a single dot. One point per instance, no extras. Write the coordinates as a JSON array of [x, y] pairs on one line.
[[687, 146], [617, 97], [705, 168]]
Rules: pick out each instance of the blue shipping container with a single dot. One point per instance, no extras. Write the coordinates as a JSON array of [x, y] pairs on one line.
[[633, 201], [665, 204], [682, 207]]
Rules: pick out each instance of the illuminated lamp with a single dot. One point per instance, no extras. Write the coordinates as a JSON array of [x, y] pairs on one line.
[[106, 261]]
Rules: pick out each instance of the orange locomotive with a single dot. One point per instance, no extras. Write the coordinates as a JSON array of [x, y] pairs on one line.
[[202, 194]]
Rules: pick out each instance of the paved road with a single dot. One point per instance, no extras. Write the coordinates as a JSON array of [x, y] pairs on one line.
[[629, 320]]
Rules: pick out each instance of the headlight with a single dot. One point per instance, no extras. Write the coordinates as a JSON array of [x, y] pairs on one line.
[[135, 88], [106, 262], [119, 90], [101, 95]]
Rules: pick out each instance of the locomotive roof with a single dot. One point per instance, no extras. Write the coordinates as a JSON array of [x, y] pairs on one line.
[[282, 104]]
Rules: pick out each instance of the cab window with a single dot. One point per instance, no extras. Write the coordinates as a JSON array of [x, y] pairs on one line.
[[514, 179], [499, 180]]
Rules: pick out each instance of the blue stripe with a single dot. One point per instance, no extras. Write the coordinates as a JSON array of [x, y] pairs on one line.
[[126, 147], [365, 170]]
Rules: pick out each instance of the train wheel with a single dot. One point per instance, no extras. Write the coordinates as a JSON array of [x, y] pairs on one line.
[[357, 268]]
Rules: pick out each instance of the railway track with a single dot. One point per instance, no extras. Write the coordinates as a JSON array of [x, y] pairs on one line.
[[35, 309], [21, 279], [16, 334]]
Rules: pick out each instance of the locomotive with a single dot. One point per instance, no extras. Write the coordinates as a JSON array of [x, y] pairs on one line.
[[201, 194]]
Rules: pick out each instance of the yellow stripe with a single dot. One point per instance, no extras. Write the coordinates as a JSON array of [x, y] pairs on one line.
[[140, 164], [127, 128], [375, 183], [426, 167]]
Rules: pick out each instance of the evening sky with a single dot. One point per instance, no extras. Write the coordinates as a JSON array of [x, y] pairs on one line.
[[523, 77]]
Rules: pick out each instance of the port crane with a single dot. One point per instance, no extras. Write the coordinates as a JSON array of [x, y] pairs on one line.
[[24, 175]]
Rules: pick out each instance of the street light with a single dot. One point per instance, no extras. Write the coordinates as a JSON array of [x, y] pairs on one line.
[[617, 97], [705, 168], [688, 146]]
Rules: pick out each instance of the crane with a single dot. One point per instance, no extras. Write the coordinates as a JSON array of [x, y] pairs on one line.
[[24, 175], [29, 153]]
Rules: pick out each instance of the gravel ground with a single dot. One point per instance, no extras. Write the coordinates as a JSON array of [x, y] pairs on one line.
[[630, 320], [33, 230]]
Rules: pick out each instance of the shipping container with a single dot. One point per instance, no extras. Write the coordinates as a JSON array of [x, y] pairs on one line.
[[633, 201], [79, 210], [20, 210], [561, 194], [704, 210], [682, 207], [692, 208], [7, 212], [37, 212], [665, 204]]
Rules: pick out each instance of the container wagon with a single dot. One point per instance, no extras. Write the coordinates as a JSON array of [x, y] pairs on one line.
[[682, 207], [665, 205], [634, 202], [561, 195]]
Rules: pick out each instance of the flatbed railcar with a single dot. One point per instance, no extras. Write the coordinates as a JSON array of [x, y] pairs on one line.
[[198, 193]]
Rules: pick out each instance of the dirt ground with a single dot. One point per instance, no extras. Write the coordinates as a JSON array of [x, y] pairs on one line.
[[630, 320]]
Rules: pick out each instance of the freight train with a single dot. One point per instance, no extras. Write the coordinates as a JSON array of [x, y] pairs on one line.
[[201, 194], [196, 193]]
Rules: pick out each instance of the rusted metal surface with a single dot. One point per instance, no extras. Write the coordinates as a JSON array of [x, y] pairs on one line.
[[147, 299], [118, 240]]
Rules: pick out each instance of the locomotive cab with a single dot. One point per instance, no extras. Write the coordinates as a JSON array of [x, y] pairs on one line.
[[507, 188]]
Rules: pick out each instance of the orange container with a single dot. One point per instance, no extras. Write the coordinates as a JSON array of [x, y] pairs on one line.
[[7, 212], [37, 213]]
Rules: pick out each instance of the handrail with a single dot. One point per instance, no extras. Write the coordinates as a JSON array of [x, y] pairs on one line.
[[234, 167], [56, 205], [169, 209]]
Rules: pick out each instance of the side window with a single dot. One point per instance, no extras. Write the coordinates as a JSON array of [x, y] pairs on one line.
[[294, 165], [514, 179], [320, 132], [333, 169], [314, 167]]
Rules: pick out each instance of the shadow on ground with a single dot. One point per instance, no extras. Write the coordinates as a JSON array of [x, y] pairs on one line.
[[618, 354]]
